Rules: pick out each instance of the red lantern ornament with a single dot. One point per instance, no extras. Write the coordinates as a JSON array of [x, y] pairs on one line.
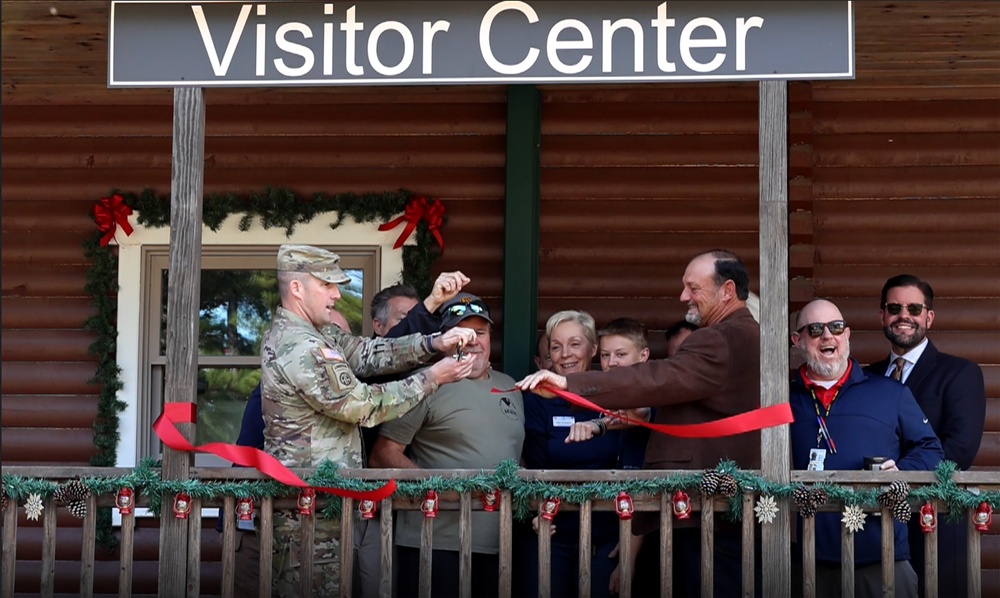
[[983, 517], [928, 520], [430, 505], [182, 505], [549, 508], [682, 505], [306, 502], [244, 509], [125, 500], [367, 508], [624, 506], [491, 498]]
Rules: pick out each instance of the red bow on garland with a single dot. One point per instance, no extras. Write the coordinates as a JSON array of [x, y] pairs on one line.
[[418, 209], [110, 213]]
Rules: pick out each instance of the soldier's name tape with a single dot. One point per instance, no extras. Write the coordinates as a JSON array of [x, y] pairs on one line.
[[758, 419], [165, 427]]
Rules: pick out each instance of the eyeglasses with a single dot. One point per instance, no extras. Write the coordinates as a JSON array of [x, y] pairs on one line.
[[815, 329], [460, 309], [914, 309]]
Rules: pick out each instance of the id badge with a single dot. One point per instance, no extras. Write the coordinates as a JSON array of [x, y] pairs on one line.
[[563, 421], [817, 457]]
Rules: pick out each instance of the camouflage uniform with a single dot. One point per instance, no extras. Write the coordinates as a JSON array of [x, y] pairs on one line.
[[312, 405]]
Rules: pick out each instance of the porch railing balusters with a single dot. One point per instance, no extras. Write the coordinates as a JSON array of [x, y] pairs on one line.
[[426, 556], [346, 546], [749, 544], [624, 559], [506, 544], [808, 543], [194, 550], [385, 531], [975, 587], [666, 546], [48, 548], [931, 557], [465, 545], [125, 555], [888, 554], [9, 547], [846, 563], [87, 550], [227, 512], [265, 534], [584, 550], [707, 546]]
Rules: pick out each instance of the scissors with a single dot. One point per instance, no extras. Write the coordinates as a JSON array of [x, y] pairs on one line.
[[459, 353]]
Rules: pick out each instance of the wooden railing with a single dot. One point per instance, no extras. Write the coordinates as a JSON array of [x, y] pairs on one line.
[[465, 503]]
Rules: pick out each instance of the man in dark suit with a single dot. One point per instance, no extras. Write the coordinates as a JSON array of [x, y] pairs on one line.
[[714, 374], [951, 393]]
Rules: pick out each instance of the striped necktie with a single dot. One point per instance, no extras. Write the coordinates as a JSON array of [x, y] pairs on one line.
[[897, 374]]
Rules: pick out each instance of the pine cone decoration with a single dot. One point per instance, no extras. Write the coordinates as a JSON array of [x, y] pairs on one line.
[[710, 482], [803, 500], [78, 508], [728, 486], [73, 490], [898, 490], [800, 496], [902, 511], [817, 498]]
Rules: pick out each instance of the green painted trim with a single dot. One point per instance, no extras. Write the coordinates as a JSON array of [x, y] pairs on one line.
[[520, 268]]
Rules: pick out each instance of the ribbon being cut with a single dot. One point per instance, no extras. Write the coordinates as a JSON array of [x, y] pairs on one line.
[[758, 419], [165, 427]]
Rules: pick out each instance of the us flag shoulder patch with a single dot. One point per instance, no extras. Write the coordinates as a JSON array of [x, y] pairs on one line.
[[332, 355]]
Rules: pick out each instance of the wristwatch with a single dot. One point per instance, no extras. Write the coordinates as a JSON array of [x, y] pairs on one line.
[[429, 342]]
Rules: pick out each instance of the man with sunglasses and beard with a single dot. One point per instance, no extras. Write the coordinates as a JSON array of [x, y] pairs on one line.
[[843, 416], [950, 392]]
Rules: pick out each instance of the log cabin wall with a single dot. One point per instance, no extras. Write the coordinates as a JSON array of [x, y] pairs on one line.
[[898, 170]]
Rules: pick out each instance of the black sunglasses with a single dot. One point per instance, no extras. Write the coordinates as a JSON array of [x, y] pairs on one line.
[[835, 327], [461, 308], [914, 309]]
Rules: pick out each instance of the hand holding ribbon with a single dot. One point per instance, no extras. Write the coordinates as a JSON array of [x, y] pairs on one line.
[[110, 213], [165, 427]]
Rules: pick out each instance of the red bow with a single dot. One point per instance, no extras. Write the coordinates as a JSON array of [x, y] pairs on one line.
[[110, 213], [247, 456], [435, 218], [418, 209]]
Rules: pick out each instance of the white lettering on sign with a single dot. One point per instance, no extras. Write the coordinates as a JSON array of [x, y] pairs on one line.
[[569, 43], [484, 38], [220, 67]]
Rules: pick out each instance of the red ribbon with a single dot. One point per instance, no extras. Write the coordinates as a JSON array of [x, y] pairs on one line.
[[414, 211], [110, 213], [165, 427], [418, 209], [758, 419]]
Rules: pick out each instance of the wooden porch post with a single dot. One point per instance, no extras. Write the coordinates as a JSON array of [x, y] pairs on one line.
[[774, 339], [187, 186]]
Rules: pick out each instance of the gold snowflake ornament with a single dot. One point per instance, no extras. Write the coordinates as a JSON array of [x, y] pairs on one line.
[[33, 507], [766, 509], [854, 519]]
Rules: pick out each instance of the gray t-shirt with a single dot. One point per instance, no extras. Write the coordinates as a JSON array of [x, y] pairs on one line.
[[463, 425]]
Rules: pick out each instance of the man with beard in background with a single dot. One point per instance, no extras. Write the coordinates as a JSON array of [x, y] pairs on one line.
[[842, 416], [951, 393]]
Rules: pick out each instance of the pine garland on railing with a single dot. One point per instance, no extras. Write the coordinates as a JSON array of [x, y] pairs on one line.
[[145, 479]]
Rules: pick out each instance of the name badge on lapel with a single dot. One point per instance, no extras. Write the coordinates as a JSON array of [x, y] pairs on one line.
[[563, 421]]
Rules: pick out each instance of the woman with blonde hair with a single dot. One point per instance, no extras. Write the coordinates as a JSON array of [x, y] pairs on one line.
[[547, 422]]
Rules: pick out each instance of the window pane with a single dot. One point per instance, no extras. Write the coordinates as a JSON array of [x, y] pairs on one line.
[[222, 397], [236, 308]]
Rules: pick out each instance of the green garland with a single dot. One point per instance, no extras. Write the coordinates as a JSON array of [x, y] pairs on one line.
[[274, 207], [146, 479]]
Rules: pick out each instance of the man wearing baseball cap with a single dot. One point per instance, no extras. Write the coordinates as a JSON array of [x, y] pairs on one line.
[[313, 403], [461, 426]]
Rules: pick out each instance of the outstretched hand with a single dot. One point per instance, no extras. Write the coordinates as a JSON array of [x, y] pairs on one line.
[[537, 382], [447, 285]]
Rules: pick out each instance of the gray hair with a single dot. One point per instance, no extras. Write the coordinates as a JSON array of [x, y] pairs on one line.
[[571, 315]]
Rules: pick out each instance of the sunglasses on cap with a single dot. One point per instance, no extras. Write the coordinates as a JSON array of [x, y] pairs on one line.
[[914, 309], [461, 309], [815, 329]]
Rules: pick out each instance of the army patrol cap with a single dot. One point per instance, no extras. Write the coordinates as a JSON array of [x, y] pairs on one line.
[[460, 307], [323, 264]]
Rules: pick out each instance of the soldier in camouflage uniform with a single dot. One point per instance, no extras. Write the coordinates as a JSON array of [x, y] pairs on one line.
[[313, 403]]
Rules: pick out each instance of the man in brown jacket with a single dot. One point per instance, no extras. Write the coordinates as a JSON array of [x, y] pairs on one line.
[[715, 374]]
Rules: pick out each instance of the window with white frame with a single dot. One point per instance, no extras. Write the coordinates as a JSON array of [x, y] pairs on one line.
[[238, 297]]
